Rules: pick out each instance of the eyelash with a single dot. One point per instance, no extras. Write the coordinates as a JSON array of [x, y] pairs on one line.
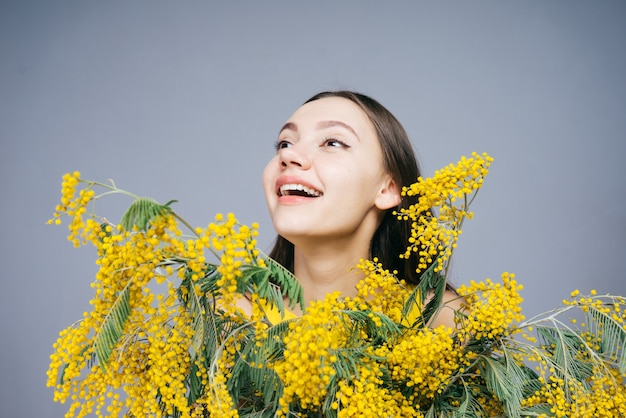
[[331, 139], [279, 144]]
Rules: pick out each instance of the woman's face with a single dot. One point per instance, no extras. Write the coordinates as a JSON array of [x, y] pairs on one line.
[[327, 178]]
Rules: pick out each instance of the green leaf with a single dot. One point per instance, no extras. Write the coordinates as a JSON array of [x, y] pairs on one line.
[[273, 283], [195, 305], [142, 211], [520, 380], [364, 321], [540, 410], [469, 406], [507, 380], [612, 336], [288, 283], [563, 347], [112, 327], [432, 287]]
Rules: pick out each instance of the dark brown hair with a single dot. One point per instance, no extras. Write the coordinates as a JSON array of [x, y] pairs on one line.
[[391, 237]]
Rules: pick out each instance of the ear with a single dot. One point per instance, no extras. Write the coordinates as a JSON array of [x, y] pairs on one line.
[[388, 195]]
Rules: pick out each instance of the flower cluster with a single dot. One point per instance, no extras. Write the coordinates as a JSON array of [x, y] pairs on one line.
[[310, 345], [143, 336], [237, 247], [153, 331], [495, 307], [602, 395], [165, 336], [425, 360], [347, 356], [592, 380], [449, 191], [367, 395], [74, 206], [382, 291]]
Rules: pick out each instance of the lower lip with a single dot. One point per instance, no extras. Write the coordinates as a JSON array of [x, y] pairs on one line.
[[295, 200]]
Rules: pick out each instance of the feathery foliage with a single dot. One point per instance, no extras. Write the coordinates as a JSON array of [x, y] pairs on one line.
[[112, 327], [167, 335]]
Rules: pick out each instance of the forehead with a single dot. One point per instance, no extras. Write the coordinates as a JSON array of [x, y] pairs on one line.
[[334, 109]]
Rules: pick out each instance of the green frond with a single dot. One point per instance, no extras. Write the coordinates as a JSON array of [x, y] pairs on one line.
[[249, 381], [541, 410], [358, 321], [431, 413], [432, 288], [200, 304], [521, 382], [611, 335], [196, 307], [288, 283], [142, 211], [208, 283], [327, 409], [112, 327], [508, 380], [273, 283], [564, 347], [469, 406], [256, 279], [194, 382], [496, 376], [219, 329], [413, 303], [430, 278], [347, 364], [273, 346], [265, 413]]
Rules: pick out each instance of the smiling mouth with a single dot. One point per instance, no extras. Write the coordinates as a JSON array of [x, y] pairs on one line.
[[298, 190]]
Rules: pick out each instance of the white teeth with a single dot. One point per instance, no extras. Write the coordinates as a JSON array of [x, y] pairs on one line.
[[299, 187]]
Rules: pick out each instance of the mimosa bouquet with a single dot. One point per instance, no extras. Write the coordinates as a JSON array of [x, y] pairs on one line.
[[166, 338]]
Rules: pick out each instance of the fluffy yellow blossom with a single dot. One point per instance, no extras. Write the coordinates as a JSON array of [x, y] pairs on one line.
[[164, 337], [449, 192], [367, 396], [218, 401], [381, 290], [603, 395], [307, 367], [237, 245], [493, 307], [74, 202], [425, 360]]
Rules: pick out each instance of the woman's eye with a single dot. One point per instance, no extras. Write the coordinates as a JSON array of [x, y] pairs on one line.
[[332, 142], [280, 144]]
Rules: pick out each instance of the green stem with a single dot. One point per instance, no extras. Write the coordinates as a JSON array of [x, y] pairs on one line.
[[184, 222], [112, 189]]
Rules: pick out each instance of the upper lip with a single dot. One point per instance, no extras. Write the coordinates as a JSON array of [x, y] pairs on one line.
[[293, 180]]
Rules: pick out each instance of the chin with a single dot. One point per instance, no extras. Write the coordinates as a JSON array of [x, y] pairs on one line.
[[290, 231]]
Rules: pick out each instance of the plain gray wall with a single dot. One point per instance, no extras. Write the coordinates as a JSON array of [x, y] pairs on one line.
[[183, 100]]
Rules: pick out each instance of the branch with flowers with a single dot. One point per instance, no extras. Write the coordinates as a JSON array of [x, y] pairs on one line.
[[165, 336]]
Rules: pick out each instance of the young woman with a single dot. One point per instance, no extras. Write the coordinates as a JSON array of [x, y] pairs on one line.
[[331, 189]]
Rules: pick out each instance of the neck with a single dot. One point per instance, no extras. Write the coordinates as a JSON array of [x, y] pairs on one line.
[[323, 269]]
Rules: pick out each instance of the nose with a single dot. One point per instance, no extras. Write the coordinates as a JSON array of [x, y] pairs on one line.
[[294, 155]]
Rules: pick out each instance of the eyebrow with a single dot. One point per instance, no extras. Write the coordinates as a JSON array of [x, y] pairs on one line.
[[322, 125]]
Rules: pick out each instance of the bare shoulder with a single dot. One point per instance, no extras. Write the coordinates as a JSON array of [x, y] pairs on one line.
[[244, 304], [451, 305]]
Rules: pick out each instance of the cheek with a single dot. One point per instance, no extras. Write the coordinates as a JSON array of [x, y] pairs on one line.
[[355, 180], [269, 176]]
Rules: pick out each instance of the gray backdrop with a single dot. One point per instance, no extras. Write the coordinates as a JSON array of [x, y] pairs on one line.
[[183, 100]]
